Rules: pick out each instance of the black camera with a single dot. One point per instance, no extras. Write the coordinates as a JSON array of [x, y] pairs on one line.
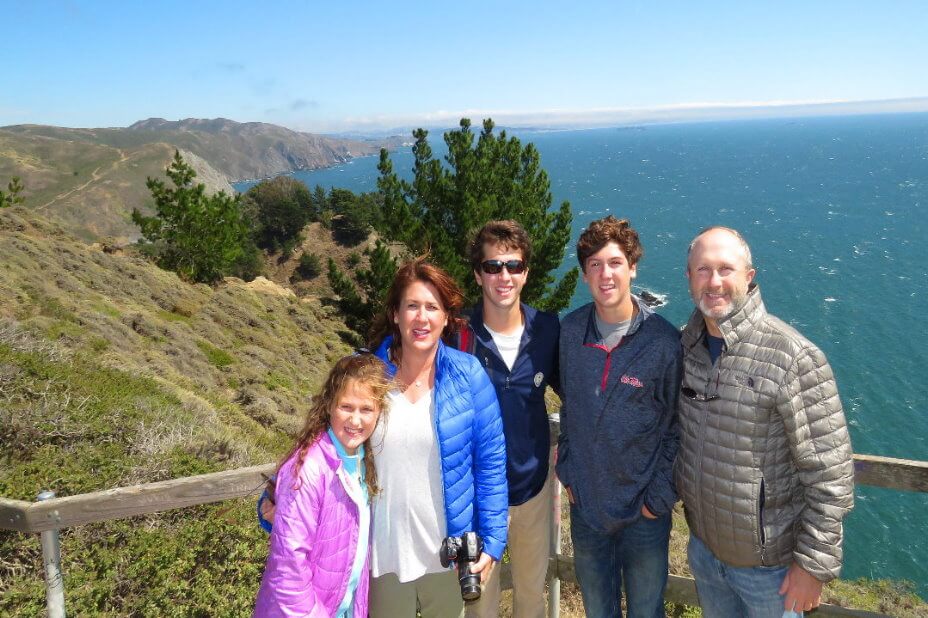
[[463, 550]]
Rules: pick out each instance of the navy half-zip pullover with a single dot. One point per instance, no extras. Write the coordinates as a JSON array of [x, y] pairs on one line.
[[619, 433]]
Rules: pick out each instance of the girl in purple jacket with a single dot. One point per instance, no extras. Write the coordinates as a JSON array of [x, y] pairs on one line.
[[318, 560]]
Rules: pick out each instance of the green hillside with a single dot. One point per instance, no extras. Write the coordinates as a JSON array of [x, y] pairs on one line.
[[114, 372], [91, 188], [91, 179]]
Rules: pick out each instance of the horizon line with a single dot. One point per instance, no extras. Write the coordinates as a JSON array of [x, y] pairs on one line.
[[595, 117], [602, 117]]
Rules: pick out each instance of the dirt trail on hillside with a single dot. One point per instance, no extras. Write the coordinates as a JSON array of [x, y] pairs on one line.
[[94, 177]]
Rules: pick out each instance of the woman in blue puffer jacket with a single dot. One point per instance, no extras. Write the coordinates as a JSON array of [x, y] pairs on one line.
[[440, 457]]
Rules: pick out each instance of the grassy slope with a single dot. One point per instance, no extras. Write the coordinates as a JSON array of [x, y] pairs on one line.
[[113, 372], [91, 187]]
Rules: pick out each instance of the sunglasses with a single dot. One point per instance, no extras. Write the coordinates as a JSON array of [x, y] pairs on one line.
[[691, 393], [494, 267]]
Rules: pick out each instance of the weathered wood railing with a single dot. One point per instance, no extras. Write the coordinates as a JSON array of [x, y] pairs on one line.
[[51, 514]]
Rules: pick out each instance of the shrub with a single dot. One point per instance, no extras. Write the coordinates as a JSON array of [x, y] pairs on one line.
[[310, 267]]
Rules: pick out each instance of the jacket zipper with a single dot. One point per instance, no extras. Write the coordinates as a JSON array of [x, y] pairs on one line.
[[761, 499], [604, 380], [704, 421]]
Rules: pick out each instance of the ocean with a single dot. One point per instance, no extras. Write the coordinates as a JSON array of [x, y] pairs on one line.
[[833, 209]]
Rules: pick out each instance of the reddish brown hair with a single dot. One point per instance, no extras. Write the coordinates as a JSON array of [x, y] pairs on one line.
[[604, 231], [418, 269]]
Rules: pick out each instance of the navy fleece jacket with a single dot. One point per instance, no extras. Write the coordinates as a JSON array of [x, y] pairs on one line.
[[619, 433], [521, 394]]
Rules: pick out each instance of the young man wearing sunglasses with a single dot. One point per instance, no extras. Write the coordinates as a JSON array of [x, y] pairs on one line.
[[765, 467], [517, 345], [620, 376]]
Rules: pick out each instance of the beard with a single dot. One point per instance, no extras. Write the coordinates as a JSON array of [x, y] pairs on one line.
[[739, 297]]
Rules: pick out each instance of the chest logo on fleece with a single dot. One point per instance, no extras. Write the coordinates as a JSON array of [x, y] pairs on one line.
[[631, 380]]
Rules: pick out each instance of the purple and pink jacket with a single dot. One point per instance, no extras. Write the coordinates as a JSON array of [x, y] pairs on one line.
[[314, 541]]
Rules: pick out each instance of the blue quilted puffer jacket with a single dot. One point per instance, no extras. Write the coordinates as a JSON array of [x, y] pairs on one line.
[[473, 450]]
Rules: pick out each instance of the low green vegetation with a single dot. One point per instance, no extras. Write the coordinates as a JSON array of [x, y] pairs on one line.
[[215, 356]]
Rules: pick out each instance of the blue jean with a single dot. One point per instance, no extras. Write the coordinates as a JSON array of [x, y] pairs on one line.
[[728, 592], [635, 556]]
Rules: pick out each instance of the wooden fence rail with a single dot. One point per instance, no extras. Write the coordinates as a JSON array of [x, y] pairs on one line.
[[122, 502]]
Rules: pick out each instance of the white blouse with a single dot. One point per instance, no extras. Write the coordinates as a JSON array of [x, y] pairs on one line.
[[409, 512]]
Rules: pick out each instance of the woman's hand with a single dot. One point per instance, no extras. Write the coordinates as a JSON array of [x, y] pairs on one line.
[[483, 566]]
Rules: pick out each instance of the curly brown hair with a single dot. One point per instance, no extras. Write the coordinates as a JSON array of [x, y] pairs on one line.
[[367, 371], [507, 234], [604, 231], [449, 294]]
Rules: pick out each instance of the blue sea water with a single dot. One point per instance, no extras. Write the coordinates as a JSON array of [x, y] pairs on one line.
[[834, 210]]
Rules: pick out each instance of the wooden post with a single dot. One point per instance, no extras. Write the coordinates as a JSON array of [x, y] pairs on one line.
[[554, 583], [51, 557]]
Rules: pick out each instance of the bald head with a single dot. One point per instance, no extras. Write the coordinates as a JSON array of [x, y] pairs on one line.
[[718, 232]]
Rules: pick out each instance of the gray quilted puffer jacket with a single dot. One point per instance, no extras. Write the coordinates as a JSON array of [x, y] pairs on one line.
[[765, 467]]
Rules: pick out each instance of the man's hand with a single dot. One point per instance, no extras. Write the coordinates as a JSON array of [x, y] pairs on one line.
[[570, 495], [644, 511], [483, 566], [803, 591]]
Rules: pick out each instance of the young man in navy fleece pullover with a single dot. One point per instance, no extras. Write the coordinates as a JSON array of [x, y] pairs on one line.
[[620, 368]]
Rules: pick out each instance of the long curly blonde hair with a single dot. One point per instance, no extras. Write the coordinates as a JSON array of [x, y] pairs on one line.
[[368, 372]]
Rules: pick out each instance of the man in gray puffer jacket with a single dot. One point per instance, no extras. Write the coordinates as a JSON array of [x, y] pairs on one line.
[[765, 467]]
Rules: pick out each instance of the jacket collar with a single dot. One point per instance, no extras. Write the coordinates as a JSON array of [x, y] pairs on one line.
[[480, 330], [383, 353], [735, 326], [328, 450], [593, 335]]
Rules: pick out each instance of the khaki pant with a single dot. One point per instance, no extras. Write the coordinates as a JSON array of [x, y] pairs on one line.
[[436, 595], [529, 549]]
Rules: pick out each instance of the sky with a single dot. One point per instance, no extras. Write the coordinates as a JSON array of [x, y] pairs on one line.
[[357, 65]]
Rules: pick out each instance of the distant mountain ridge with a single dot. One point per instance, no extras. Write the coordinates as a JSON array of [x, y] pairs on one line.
[[239, 150], [246, 150], [91, 179]]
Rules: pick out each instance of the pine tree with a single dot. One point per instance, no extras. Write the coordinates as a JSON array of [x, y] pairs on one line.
[[200, 237], [279, 209], [360, 306], [13, 195], [440, 210], [496, 178]]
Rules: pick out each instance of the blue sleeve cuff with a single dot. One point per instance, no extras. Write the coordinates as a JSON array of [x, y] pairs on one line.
[[261, 521], [494, 548], [264, 496]]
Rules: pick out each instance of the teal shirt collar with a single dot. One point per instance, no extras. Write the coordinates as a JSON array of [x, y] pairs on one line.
[[352, 463]]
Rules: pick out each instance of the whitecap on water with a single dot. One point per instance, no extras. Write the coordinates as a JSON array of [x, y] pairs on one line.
[[831, 299]]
